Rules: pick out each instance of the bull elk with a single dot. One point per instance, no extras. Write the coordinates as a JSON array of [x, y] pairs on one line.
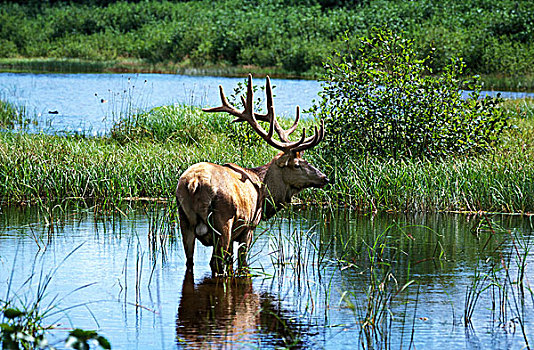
[[220, 204]]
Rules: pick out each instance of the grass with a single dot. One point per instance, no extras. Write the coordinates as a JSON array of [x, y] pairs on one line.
[[12, 116], [113, 168], [145, 154], [135, 65]]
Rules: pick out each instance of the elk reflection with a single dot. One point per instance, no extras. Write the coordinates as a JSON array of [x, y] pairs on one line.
[[226, 312]]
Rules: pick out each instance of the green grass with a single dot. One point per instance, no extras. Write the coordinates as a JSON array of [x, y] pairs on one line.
[[145, 154], [12, 116], [113, 168]]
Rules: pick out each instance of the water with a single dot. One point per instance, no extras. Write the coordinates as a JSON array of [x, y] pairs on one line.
[[91, 102], [309, 289]]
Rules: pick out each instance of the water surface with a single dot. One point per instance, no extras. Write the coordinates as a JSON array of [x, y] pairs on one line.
[[92, 102], [311, 283]]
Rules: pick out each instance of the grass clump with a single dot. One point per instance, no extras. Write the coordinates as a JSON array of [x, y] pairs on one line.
[[12, 116], [184, 124], [140, 159]]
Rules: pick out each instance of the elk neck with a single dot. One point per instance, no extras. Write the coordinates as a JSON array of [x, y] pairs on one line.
[[275, 193]]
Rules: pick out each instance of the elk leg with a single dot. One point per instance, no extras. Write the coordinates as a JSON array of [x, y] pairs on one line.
[[222, 252], [188, 238], [244, 244]]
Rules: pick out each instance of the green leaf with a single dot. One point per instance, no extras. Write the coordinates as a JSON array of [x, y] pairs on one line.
[[103, 342], [12, 313]]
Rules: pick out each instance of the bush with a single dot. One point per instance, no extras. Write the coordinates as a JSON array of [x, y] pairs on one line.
[[381, 100]]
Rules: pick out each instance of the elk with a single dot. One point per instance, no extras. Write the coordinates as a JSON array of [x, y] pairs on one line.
[[222, 204]]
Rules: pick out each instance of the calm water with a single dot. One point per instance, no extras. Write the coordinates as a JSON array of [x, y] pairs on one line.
[[90, 102], [310, 289]]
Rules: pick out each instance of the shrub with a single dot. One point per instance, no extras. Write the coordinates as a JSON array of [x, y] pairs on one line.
[[381, 100]]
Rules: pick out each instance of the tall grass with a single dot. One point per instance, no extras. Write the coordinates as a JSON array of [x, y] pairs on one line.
[[12, 116], [503, 280], [497, 182], [145, 154], [124, 165]]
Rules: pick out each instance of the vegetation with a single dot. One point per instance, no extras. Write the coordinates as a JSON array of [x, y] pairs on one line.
[[400, 141], [291, 36], [147, 161], [12, 116], [383, 103]]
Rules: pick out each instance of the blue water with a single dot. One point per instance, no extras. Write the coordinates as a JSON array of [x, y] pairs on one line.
[[90, 102], [309, 290]]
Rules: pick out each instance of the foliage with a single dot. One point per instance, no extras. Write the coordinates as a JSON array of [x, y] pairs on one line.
[[293, 35], [384, 101], [23, 330], [11, 115]]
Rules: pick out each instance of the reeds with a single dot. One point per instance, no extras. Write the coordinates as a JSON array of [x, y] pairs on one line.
[[503, 280], [495, 183], [12, 116]]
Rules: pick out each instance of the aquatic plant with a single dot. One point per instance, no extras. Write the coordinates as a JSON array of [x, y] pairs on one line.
[[12, 116], [144, 161], [502, 279], [24, 319], [385, 286]]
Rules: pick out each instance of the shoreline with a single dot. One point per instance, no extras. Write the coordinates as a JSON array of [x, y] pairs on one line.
[[491, 82]]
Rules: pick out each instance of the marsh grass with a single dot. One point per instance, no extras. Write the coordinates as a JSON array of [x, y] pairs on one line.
[[376, 307], [12, 116], [145, 153], [56, 65], [502, 278]]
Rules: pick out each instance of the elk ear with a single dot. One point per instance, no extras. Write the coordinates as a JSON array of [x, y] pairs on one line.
[[285, 160]]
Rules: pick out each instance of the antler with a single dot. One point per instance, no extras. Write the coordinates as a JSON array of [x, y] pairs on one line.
[[252, 118]]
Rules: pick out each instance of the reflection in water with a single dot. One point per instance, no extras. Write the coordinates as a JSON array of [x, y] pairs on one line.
[[223, 312], [313, 286]]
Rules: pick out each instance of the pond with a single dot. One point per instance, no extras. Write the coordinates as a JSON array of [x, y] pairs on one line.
[[320, 279], [92, 102]]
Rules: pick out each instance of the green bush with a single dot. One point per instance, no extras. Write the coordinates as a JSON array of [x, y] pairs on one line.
[[291, 35], [381, 100]]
